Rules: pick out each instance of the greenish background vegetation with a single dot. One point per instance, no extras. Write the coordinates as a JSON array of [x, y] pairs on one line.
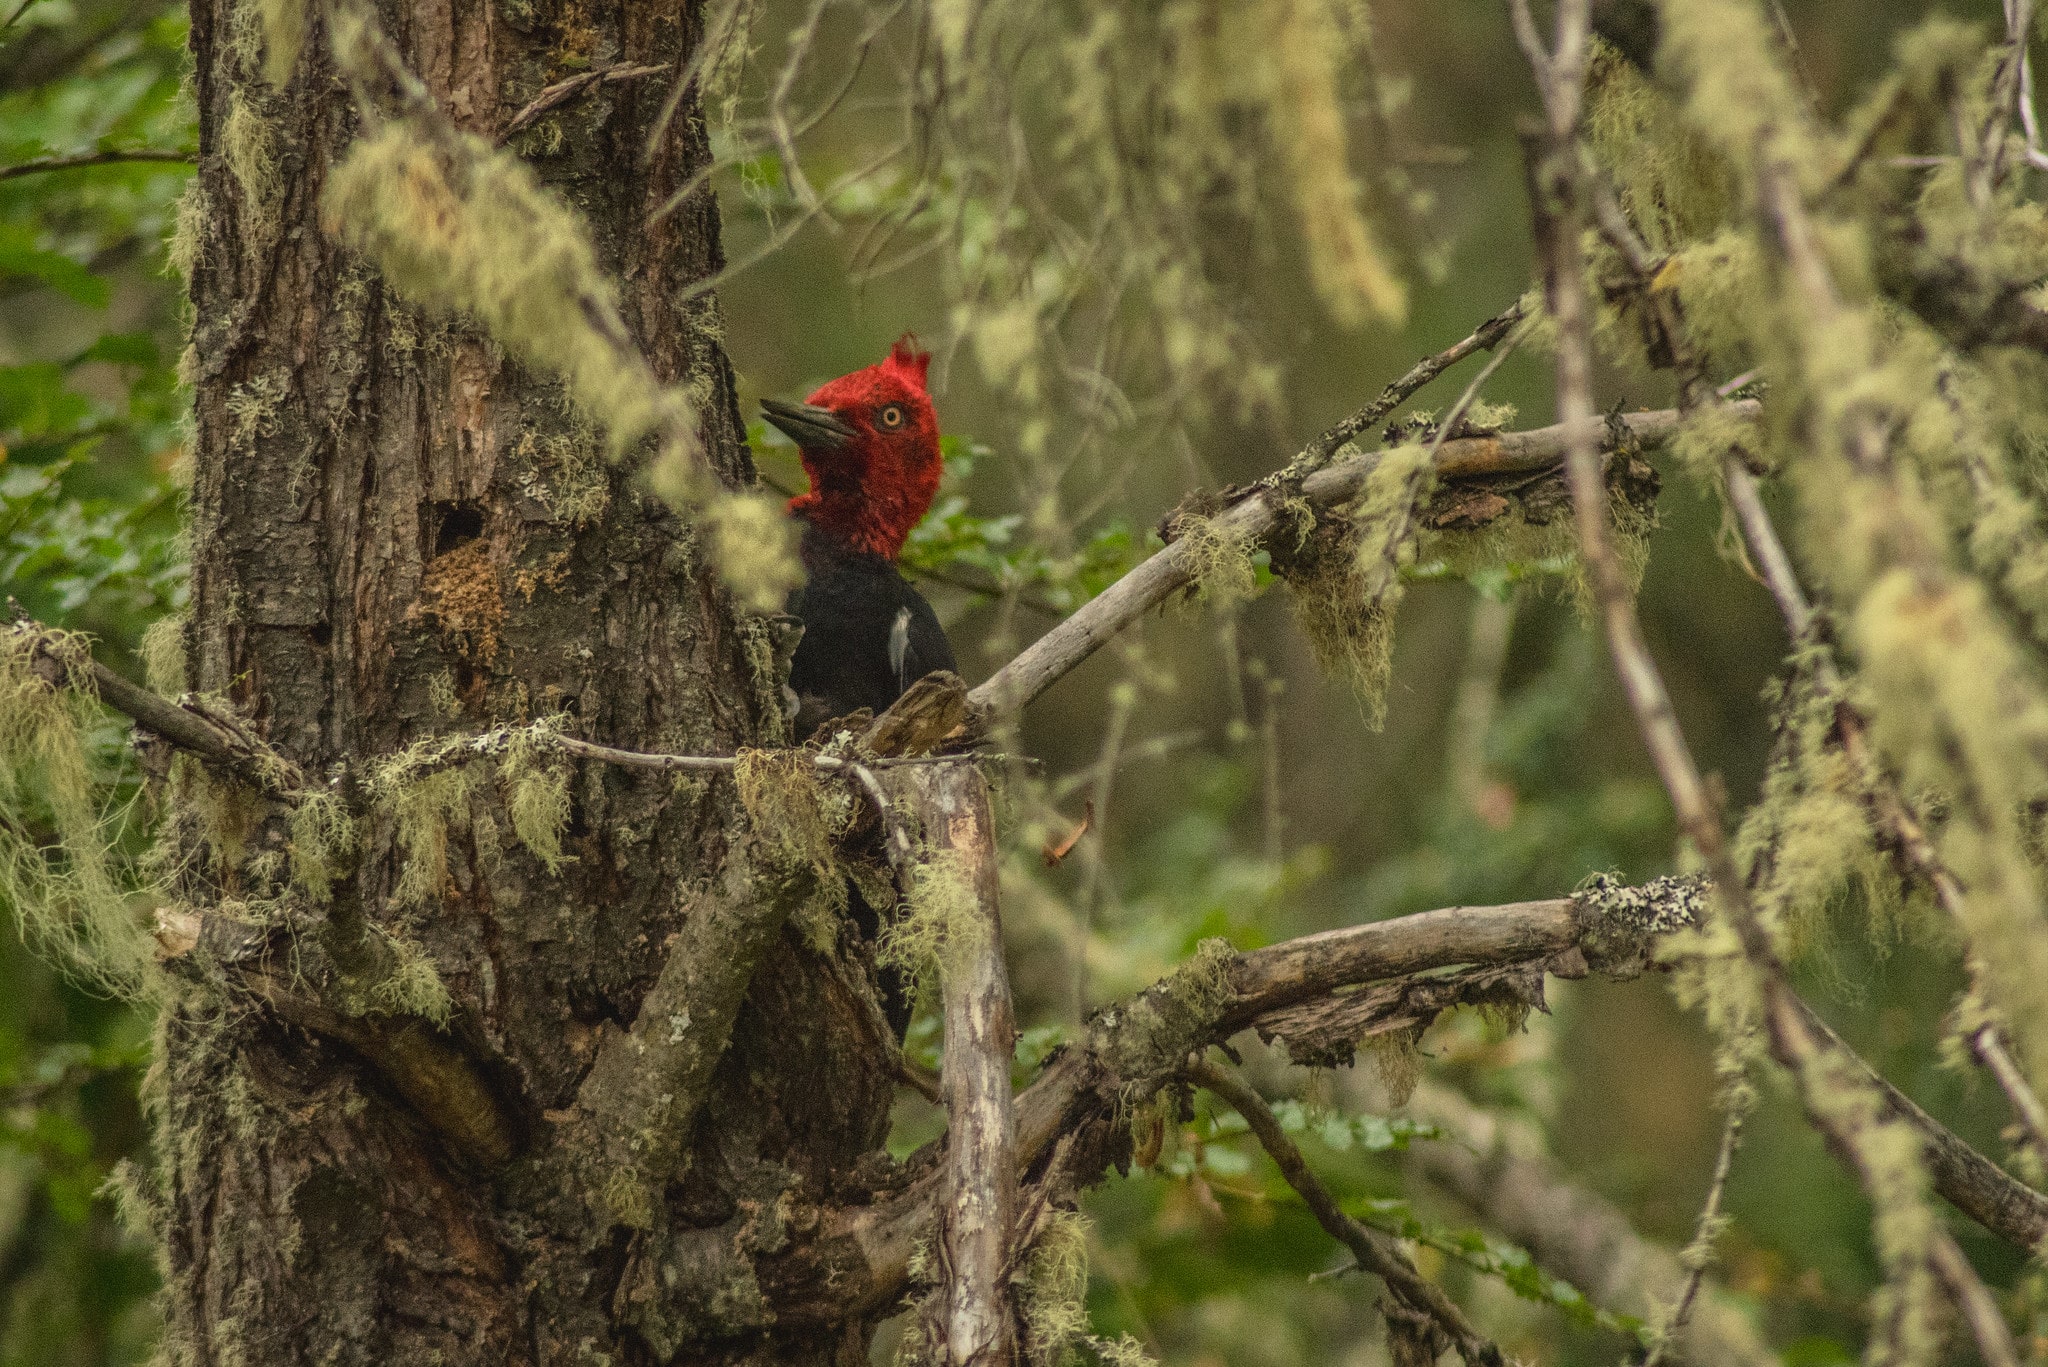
[[1250, 797]]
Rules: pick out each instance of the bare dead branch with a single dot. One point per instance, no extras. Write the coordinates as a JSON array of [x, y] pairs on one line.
[[1376, 1252], [952, 804]]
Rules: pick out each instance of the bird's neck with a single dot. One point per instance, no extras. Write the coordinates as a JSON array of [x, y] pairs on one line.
[[864, 523]]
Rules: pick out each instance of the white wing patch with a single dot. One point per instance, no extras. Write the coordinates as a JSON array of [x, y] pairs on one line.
[[899, 647]]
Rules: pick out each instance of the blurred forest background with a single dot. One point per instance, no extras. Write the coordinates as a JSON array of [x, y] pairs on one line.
[[1251, 796]]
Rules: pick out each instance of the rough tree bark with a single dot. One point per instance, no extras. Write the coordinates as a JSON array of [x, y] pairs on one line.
[[400, 534]]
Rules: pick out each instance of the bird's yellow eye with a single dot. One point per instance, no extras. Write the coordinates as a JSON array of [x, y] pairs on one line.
[[890, 416]]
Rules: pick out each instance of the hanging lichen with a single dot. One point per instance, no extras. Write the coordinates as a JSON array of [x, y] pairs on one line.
[[940, 926], [323, 835], [412, 986], [1809, 843], [1345, 578], [535, 780], [421, 795], [57, 868], [796, 816], [162, 651], [1217, 558], [1052, 1288]]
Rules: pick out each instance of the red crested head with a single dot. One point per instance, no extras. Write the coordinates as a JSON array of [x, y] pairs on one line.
[[870, 443]]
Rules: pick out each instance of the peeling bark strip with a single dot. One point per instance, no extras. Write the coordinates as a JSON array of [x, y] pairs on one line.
[[952, 803]]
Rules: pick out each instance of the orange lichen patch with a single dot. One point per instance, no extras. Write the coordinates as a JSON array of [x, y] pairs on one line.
[[548, 574], [460, 595]]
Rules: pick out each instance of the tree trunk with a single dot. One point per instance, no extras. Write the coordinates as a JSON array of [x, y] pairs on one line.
[[400, 534]]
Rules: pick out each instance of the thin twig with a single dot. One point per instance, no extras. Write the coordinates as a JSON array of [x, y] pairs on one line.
[[138, 154], [1699, 1253], [1482, 338], [1980, 1311], [1123, 701], [1376, 1252], [1988, 1044], [561, 92], [800, 41], [662, 763]]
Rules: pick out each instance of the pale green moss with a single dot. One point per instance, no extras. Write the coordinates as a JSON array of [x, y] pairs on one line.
[[1052, 1288], [1346, 587], [421, 798], [1217, 558], [941, 925], [162, 652]]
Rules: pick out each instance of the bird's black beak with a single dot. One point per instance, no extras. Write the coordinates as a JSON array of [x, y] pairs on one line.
[[812, 428]]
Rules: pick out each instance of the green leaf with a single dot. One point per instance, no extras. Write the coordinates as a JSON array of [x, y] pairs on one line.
[[20, 256], [1510, 1264]]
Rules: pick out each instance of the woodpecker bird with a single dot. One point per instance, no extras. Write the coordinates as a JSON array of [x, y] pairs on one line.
[[870, 444]]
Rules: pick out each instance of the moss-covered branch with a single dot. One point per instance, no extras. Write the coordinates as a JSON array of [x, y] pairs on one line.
[[862, 1255], [1253, 520], [218, 738]]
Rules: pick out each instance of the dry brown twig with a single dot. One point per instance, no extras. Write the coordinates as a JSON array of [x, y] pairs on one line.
[[1377, 1253], [561, 92]]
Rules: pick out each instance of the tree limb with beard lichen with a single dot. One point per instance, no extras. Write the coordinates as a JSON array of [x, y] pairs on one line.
[[1844, 1104], [1076, 1109]]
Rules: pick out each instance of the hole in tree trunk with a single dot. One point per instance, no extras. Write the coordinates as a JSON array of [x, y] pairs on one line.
[[456, 523]]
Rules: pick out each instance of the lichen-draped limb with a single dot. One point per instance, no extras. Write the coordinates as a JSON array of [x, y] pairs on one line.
[[1884, 1153], [636, 1110], [457, 225], [1262, 517], [61, 880], [861, 1256]]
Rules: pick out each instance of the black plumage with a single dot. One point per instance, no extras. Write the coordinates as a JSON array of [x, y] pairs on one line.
[[868, 635]]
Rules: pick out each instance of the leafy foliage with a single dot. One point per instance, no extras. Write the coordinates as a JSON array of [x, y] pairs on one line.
[[90, 451]]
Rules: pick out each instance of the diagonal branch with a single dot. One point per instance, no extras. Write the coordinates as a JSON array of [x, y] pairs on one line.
[[859, 1257], [1485, 337], [133, 154], [1254, 518], [1376, 1252]]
